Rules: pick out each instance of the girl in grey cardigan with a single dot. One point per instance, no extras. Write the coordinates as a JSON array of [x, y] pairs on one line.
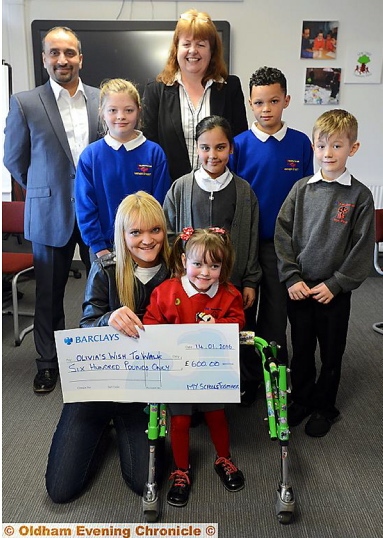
[[212, 196]]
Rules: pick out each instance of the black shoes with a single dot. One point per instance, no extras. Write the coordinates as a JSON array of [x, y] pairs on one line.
[[178, 494], [319, 424], [232, 478], [45, 380], [296, 413]]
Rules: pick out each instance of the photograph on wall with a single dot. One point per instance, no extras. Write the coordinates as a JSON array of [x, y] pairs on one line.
[[364, 65], [322, 86], [319, 40]]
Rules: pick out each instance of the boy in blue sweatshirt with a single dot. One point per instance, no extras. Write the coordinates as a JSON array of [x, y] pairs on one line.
[[272, 158], [324, 239]]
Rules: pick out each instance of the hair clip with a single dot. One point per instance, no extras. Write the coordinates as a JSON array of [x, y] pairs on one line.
[[186, 233], [218, 230]]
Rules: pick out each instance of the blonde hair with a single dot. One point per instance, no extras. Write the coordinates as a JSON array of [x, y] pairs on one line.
[[336, 121], [144, 211], [215, 243], [200, 26], [117, 85]]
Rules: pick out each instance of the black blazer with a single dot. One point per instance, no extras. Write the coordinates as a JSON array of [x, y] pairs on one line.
[[162, 118]]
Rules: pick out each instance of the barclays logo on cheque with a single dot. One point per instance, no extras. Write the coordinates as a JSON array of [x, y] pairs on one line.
[[68, 340]]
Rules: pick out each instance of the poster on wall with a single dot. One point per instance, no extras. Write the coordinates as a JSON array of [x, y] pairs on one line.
[[364, 64], [319, 40], [322, 86]]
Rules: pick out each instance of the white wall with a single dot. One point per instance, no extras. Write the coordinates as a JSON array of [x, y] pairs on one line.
[[262, 33], [4, 107]]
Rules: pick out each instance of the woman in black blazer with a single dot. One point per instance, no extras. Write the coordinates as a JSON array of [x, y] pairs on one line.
[[194, 84]]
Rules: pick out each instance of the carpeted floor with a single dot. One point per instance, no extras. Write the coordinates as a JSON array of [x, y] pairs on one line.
[[336, 479]]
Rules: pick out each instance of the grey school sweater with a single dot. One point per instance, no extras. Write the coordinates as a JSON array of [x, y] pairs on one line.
[[178, 208], [325, 233]]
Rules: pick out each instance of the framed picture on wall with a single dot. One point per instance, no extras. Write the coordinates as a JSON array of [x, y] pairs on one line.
[[319, 40], [364, 64], [322, 86]]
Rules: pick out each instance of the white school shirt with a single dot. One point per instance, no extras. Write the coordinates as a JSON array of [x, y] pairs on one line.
[[343, 179], [262, 136]]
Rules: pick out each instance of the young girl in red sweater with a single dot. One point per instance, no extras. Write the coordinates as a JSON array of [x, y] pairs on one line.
[[200, 292]]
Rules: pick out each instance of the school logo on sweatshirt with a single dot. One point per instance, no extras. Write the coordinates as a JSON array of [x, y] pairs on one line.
[[291, 165], [342, 212], [143, 170]]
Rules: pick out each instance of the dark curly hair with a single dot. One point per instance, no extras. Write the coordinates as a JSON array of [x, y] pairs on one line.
[[265, 76]]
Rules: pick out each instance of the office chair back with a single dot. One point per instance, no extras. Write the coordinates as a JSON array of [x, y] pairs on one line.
[[15, 264], [13, 217]]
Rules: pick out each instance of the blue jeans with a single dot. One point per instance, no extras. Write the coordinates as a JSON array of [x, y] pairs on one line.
[[79, 443]]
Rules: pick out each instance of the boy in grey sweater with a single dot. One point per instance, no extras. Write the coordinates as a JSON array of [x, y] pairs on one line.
[[324, 240]]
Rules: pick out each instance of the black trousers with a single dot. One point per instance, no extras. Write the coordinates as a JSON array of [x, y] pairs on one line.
[[313, 322], [251, 372], [272, 301], [52, 266]]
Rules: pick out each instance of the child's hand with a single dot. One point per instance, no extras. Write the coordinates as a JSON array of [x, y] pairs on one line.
[[125, 320], [248, 296], [206, 318], [321, 293], [299, 291]]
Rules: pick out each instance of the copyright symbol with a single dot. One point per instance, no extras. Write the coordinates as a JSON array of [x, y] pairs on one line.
[[9, 530], [210, 530]]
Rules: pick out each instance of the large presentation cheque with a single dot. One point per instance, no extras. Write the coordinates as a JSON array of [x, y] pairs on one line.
[[167, 364]]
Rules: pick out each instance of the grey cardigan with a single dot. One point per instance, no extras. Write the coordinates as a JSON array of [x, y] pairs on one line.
[[178, 207]]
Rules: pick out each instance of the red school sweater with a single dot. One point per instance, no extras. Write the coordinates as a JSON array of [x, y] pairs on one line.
[[169, 303]]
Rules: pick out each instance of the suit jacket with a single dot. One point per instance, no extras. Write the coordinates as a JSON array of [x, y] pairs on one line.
[[162, 118], [37, 154]]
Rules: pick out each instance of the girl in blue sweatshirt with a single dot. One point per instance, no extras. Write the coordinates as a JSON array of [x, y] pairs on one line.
[[121, 163]]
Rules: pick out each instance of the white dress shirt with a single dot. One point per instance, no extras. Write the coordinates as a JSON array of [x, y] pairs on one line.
[[74, 115]]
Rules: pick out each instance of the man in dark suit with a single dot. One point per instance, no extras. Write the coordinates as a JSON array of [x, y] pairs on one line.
[[46, 130]]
